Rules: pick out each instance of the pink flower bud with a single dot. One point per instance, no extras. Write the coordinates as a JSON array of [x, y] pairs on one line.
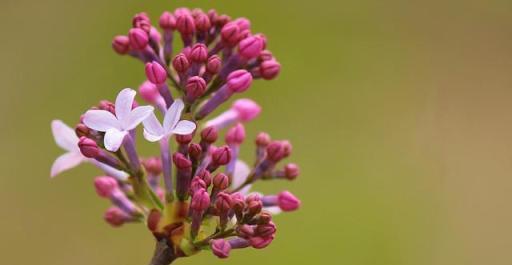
[[245, 231], [263, 39], [263, 139], [167, 21], [195, 151], [180, 63], [265, 231], [221, 181], [196, 184], [105, 186], [182, 11], [205, 176], [202, 22], [153, 165], [88, 147], [265, 56], [220, 248], [275, 151], [254, 207], [222, 20], [184, 138], [243, 23], [239, 81], [149, 92], [121, 44], [155, 73], [209, 135], [213, 65], [250, 47], [235, 135], [196, 86], [223, 202], [107, 106], [287, 148], [142, 16], [230, 34], [82, 130], [185, 23], [181, 161], [264, 217], [139, 39], [200, 200], [269, 69], [291, 171], [115, 217], [221, 156], [199, 53], [287, 201], [155, 35], [260, 242], [247, 109]]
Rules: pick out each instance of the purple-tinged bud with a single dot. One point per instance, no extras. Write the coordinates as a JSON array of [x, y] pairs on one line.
[[196, 86], [181, 161], [184, 139], [239, 81], [222, 20], [195, 151], [155, 35], [121, 44], [199, 53], [182, 11], [185, 23], [220, 248], [263, 39], [291, 171], [105, 186], [235, 135], [260, 242], [139, 39], [142, 16], [200, 200], [263, 139], [253, 197], [269, 69], [251, 47], [223, 202], [167, 21], [275, 151], [202, 22], [149, 92], [180, 63], [115, 217], [264, 217], [155, 73], [144, 25], [230, 34], [209, 135], [245, 231], [221, 156], [287, 148], [247, 109], [287, 201], [265, 56], [196, 184], [221, 181], [243, 23], [212, 15], [214, 64], [244, 34], [88, 147], [205, 176], [153, 165], [266, 230], [254, 207], [107, 106], [82, 130]]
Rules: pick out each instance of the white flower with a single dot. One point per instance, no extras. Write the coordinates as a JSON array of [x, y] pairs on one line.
[[116, 127], [154, 131], [65, 138]]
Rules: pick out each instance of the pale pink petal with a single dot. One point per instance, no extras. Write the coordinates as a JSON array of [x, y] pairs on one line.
[[136, 116], [184, 128], [240, 174], [151, 137], [65, 137], [153, 131], [113, 139], [124, 103], [101, 120], [172, 116], [65, 162], [274, 210]]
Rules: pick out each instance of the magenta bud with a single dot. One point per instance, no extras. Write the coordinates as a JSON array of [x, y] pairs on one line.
[[82, 130], [254, 207], [247, 109], [196, 184], [108, 106], [220, 248], [182, 11], [287, 201], [105, 186], [115, 217], [264, 217], [266, 230], [287, 148], [245, 231], [149, 92], [222, 20], [263, 39], [153, 165], [275, 151], [260, 242], [223, 202], [202, 22], [243, 23], [199, 53], [200, 200], [213, 65], [265, 56], [263, 139], [180, 63], [205, 176], [155, 35], [221, 156], [230, 33], [185, 23], [181, 161], [269, 69], [121, 44], [291, 171], [221, 181], [155, 73], [196, 86], [88, 147], [142, 16], [139, 39], [235, 135], [239, 81], [209, 135], [195, 151], [251, 47], [184, 138], [167, 21]]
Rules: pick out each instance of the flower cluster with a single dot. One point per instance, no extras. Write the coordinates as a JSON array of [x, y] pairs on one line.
[[196, 194]]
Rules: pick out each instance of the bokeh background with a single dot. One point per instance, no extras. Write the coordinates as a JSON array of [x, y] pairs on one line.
[[399, 112]]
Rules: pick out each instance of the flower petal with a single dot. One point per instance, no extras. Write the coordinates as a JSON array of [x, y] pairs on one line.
[[124, 102], [274, 210], [172, 116], [136, 116], [184, 128], [113, 139], [65, 137], [240, 174], [151, 137], [101, 120], [152, 128], [66, 161]]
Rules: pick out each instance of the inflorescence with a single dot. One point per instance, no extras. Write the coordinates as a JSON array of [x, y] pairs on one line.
[[205, 201]]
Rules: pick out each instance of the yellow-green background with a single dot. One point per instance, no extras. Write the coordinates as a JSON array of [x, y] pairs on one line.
[[399, 111]]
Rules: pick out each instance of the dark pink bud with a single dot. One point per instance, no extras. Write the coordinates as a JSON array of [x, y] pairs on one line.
[[139, 39], [185, 23], [105, 186], [265, 56], [82, 130], [196, 86], [264, 217], [247, 109], [243, 23], [142, 16], [263, 39], [263, 139], [239, 81], [155, 35], [195, 151], [149, 92], [260, 242], [235, 135], [144, 25], [200, 200], [213, 15], [121, 44], [209, 135], [222, 20], [199, 53], [250, 47], [156, 73], [266, 230], [182, 11], [269, 69], [88, 147], [230, 34], [245, 231], [221, 181], [202, 22], [108, 106], [287, 148], [223, 202], [115, 217], [180, 63], [291, 171], [220, 248], [253, 197], [167, 21], [153, 165], [205, 176], [275, 151], [184, 138], [213, 65], [287, 201], [181, 161], [196, 184], [254, 207], [221, 156]]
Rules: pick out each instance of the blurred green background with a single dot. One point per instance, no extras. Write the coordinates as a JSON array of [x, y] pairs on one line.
[[399, 112]]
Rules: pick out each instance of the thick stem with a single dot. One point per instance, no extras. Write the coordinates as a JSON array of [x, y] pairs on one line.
[[163, 254]]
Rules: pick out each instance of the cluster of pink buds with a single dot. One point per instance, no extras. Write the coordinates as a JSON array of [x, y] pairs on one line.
[[195, 195]]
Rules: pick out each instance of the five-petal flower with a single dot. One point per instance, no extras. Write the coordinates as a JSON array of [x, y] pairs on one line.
[[154, 131]]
